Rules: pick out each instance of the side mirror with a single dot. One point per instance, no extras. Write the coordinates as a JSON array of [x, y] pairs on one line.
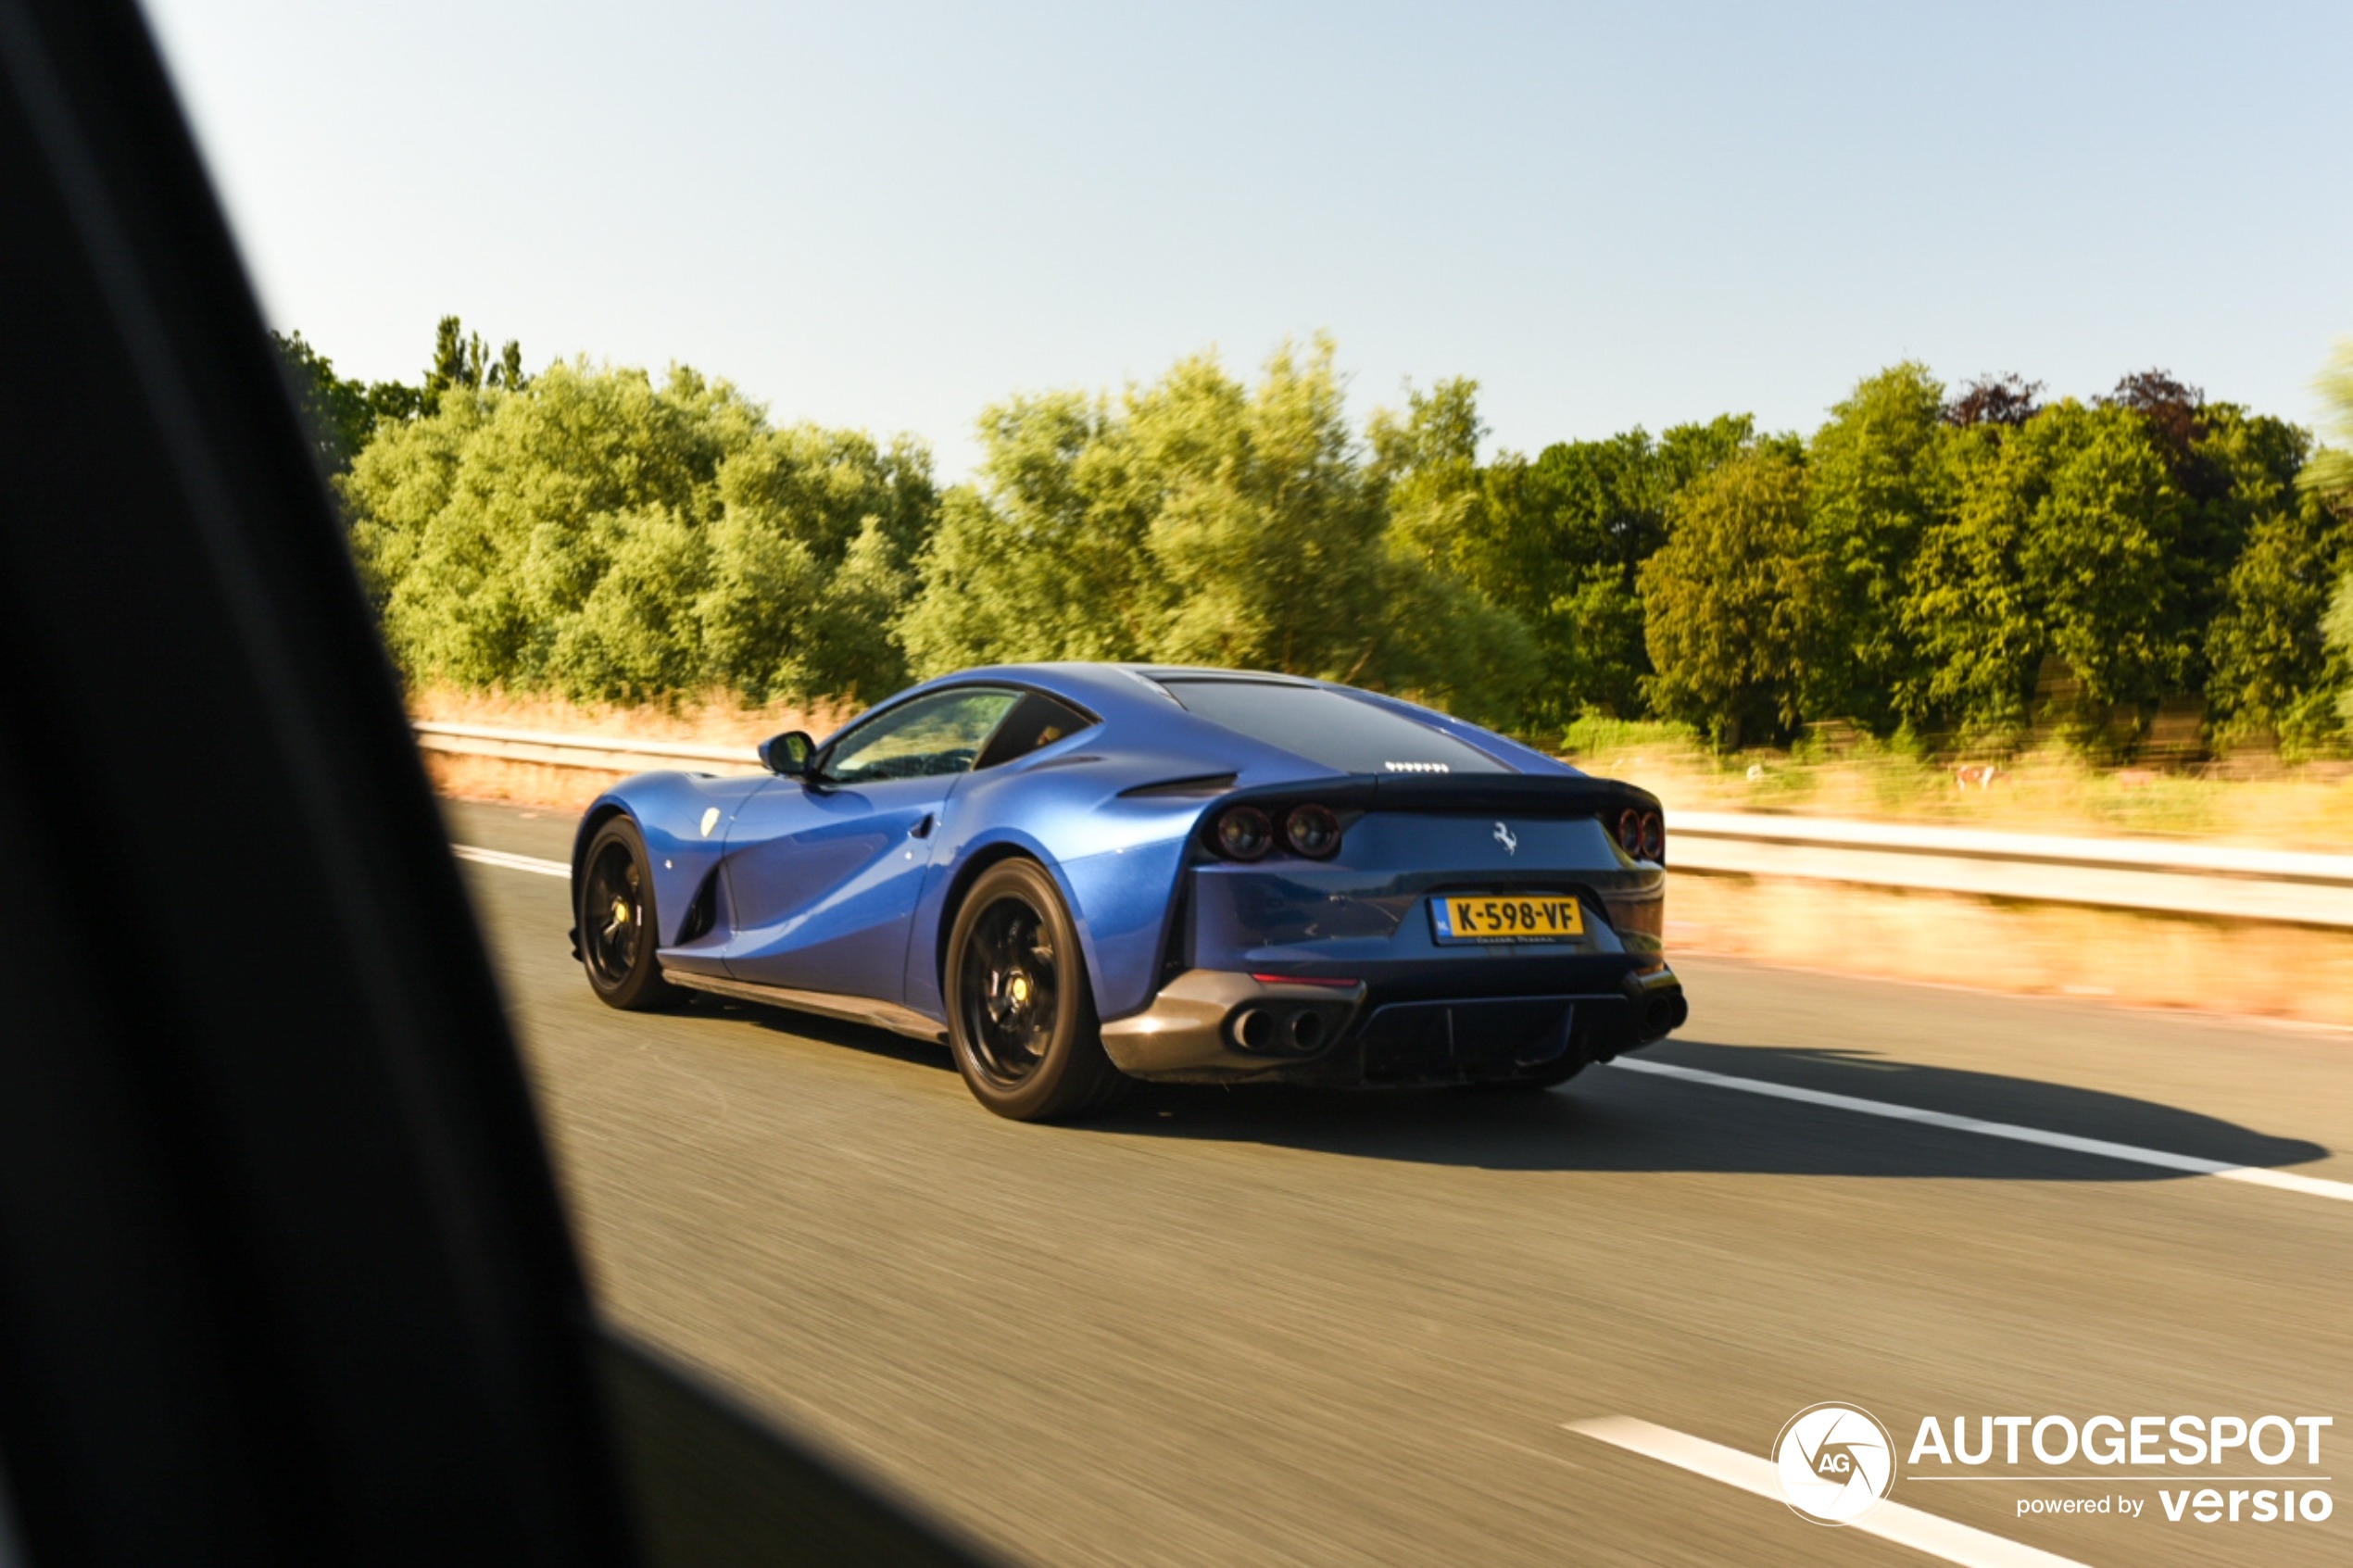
[[788, 754]]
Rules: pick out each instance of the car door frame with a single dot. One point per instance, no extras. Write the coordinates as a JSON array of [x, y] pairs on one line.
[[886, 982]]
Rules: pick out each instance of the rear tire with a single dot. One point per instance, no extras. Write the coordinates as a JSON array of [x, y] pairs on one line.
[[1020, 1015], [613, 904]]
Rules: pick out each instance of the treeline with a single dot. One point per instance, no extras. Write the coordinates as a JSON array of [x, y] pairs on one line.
[[1954, 566]]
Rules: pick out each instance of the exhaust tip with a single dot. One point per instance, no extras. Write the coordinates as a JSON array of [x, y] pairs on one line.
[[1665, 1013], [1253, 1029], [1305, 1028]]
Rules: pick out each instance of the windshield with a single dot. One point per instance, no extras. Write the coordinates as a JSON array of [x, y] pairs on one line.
[[1327, 727]]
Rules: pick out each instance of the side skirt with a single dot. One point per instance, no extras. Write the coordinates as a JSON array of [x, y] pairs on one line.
[[826, 1004]]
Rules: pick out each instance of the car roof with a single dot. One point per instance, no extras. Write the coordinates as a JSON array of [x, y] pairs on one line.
[[1112, 688], [1131, 692]]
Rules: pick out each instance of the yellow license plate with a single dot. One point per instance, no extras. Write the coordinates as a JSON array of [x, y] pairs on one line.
[[1544, 918]]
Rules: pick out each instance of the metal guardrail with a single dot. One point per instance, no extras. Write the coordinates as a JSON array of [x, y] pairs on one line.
[[616, 753], [2196, 880]]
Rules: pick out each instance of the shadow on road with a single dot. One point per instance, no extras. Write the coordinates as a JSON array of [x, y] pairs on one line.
[[1609, 1120], [831, 1030]]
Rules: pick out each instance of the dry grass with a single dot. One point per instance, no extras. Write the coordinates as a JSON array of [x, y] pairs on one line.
[[515, 783], [717, 719], [2050, 950], [714, 719], [2252, 802]]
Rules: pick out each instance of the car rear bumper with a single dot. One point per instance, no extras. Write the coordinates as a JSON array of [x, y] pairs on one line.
[[1529, 1019]]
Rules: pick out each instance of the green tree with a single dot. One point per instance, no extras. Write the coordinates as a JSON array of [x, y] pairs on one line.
[[2262, 657], [2330, 468], [461, 359], [2101, 556], [1201, 520], [2272, 671], [1879, 479], [508, 373], [811, 557], [1726, 600], [334, 411], [1428, 462], [1968, 612], [1557, 542], [1051, 562], [457, 361], [2060, 549], [343, 416], [594, 533]]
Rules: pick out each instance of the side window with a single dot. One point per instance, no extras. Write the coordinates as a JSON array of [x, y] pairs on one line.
[[1037, 720], [940, 733]]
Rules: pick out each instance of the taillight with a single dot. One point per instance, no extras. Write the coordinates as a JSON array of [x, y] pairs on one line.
[[1311, 831], [1244, 833], [1653, 837], [1630, 832]]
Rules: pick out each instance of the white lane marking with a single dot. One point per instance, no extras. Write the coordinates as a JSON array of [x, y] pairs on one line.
[[1930, 1533], [2286, 1181], [511, 862]]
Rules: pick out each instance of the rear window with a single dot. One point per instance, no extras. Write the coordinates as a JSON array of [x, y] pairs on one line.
[[1040, 720], [1328, 727]]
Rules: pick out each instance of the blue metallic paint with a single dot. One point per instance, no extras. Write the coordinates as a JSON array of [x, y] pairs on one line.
[[668, 808], [850, 890], [822, 884]]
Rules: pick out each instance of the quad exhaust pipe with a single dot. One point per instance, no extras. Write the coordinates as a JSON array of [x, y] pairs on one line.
[[1301, 1029]]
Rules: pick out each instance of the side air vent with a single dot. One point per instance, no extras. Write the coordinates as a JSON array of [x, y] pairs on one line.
[[703, 913], [1199, 786]]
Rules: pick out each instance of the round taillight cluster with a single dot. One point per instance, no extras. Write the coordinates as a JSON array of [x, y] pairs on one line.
[[1643, 834], [1246, 833], [1311, 831]]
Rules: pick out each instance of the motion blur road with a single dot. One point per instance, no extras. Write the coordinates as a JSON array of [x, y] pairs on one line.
[[1269, 1328]]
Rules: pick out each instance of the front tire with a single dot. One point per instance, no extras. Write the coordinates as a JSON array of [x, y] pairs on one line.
[[1021, 1016], [614, 907]]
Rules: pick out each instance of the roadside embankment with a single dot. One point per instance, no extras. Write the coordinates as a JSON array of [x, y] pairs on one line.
[[2185, 959]]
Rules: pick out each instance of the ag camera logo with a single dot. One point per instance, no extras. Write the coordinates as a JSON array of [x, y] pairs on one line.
[[1835, 1462]]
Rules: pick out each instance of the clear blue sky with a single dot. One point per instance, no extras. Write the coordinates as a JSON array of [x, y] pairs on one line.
[[890, 214]]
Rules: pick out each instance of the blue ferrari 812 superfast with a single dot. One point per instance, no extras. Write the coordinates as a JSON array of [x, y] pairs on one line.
[[1077, 875]]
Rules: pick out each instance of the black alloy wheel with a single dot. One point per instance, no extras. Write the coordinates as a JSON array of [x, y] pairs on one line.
[[615, 915], [1013, 989], [1021, 1018]]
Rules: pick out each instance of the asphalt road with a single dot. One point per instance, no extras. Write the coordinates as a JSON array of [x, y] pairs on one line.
[[1267, 1327]]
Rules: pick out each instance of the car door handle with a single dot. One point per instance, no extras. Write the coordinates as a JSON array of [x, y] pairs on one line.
[[922, 828]]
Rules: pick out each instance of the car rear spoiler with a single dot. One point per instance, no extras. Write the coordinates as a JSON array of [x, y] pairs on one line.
[[1526, 795]]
